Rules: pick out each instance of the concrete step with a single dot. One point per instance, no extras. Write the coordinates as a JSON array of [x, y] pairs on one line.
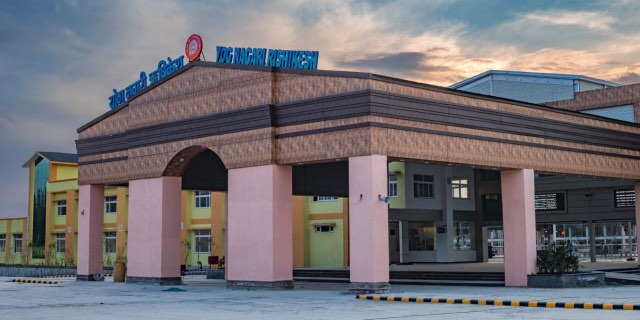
[[408, 277], [622, 278]]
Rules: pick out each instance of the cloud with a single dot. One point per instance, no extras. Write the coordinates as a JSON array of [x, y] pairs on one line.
[[61, 60], [584, 19]]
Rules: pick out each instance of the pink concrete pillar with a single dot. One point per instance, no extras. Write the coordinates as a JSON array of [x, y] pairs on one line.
[[260, 249], [519, 222], [154, 231], [90, 221], [637, 188], [368, 225]]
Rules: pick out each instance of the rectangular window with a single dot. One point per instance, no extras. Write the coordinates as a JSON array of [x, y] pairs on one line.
[[62, 207], [110, 204], [60, 242], [393, 185], [422, 186], [3, 243], [109, 242], [203, 199], [323, 229], [203, 241], [460, 188], [549, 201], [17, 242], [324, 199], [624, 198], [462, 235], [422, 236]]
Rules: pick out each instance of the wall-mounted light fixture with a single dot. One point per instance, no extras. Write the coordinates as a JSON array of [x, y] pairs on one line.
[[385, 199]]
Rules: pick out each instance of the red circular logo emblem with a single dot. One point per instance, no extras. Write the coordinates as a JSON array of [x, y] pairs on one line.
[[193, 48]]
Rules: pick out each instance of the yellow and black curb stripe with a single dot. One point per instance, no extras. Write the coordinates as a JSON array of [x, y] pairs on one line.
[[35, 281], [512, 303]]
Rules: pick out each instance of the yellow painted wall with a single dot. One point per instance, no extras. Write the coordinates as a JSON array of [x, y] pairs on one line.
[[66, 172], [110, 218], [298, 226], [203, 219], [324, 206], [122, 227], [9, 227], [397, 168], [326, 248]]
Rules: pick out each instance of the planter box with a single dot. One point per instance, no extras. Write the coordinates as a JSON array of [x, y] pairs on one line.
[[569, 280], [215, 274]]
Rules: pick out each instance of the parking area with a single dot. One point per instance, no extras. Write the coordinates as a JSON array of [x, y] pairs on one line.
[[200, 298]]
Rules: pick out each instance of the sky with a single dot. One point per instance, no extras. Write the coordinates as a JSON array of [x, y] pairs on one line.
[[60, 60]]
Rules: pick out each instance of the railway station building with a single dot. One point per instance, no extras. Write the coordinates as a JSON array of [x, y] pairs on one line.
[[397, 159]]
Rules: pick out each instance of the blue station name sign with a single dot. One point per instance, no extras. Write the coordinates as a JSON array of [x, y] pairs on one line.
[[165, 68], [297, 59]]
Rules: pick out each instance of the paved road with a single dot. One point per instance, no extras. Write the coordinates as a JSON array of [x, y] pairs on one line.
[[209, 299]]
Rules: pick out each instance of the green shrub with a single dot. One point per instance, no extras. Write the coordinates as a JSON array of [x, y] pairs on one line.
[[559, 257]]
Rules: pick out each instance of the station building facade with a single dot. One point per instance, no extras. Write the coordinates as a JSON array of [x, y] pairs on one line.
[[595, 214], [263, 135], [320, 231]]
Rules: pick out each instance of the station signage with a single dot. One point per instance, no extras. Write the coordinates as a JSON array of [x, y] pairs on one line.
[[193, 48], [278, 58], [297, 59], [165, 68]]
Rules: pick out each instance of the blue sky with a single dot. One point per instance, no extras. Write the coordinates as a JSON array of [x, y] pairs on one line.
[[61, 59]]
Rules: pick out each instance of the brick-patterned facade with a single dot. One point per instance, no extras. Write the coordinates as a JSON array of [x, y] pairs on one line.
[[208, 89], [609, 97]]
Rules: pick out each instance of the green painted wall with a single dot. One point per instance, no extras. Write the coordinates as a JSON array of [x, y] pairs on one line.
[[397, 168], [326, 249], [62, 186], [324, 206]]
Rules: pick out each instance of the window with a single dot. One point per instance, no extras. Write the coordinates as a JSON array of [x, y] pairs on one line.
[[422, 236], [393, 185], [62, 207], [17, 242], [60, 242], [324, 199], [462, 235], [460, 188], [203, 199], [3, 243], [323, 229], [110, 204], [109, 242], [624, 198], [549, 201], [422, 186], [203, 241]]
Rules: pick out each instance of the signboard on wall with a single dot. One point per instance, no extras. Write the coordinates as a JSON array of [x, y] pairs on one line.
[[296, 59]]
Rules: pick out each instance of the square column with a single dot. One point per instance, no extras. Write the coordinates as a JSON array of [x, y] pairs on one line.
[[368, 225], [90, 222], [519, 223], [153, 248], [260, 249], [637, 189]]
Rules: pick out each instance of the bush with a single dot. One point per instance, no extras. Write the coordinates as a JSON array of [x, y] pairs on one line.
[[559, 257]]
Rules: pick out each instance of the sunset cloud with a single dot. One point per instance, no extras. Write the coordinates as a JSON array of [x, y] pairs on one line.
[[60, 60], [589, 20]]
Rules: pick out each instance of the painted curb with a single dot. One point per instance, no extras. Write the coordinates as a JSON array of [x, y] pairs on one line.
[[35, 281], [512, 303]]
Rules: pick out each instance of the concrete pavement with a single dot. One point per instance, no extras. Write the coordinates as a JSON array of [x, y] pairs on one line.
[[209, 299]]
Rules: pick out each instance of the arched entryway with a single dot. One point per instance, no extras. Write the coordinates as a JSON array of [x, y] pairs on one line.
[[155, 207]]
